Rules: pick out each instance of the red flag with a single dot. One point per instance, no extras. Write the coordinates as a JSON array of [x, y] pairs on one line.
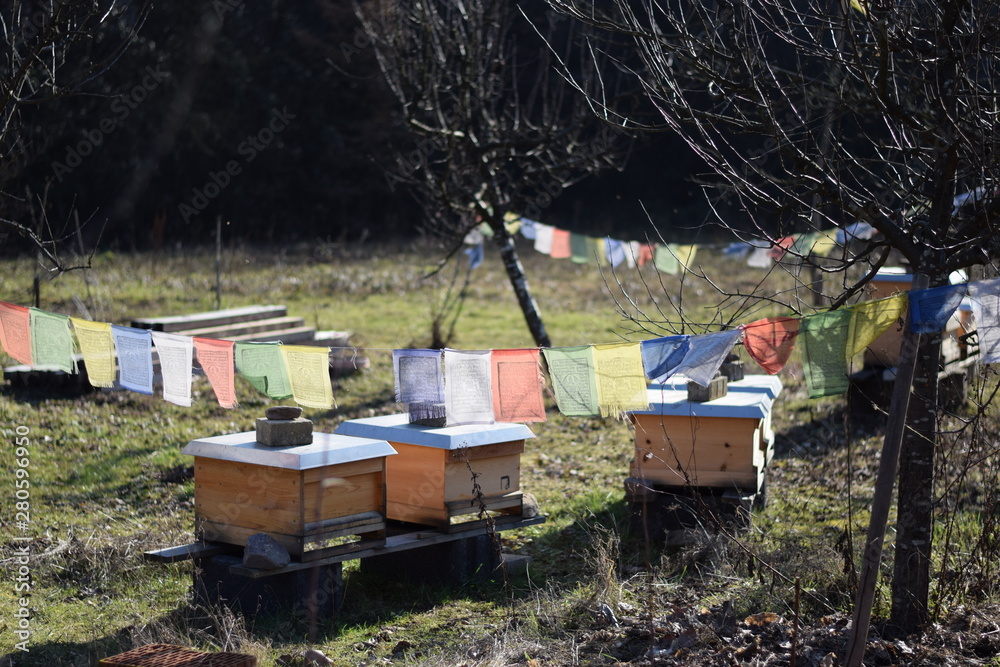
[[770, 341]]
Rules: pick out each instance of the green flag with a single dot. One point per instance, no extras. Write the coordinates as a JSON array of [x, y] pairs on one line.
[[51, 341], [573, 379], [824, 346], [263, 367]]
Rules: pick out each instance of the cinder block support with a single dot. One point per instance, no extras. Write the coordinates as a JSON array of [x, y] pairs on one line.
[[295, 592], [454, 564]]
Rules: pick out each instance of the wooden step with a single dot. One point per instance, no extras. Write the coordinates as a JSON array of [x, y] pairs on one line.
[[298, 335], [176, 323], [227, 331]]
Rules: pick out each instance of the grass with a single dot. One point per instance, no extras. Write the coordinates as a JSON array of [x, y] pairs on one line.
[[108, 480]]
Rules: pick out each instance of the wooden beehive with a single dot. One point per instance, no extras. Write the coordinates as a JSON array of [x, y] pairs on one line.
[[303, 496], [429, 481], [725, 443]]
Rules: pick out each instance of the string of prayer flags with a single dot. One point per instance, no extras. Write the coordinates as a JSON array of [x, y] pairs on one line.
[[870, 319], [760, 258], [930, 309], [824, 341], [418, 376], [621, 382], [571, 370], [51, 341], [216, 359], [98, 350], [264, 368], [517, 386], [543, 238], [560, 245], [176, 353], [660, 356], [985, 297], [705, 355], [15, 331], [135, 358], [579, 248], [770, 341], [309, 375], [468, 394]]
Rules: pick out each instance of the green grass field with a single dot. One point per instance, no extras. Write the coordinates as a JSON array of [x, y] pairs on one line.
[[108, 481]]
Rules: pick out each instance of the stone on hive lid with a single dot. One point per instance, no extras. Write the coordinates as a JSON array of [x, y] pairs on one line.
[[283, 427], [264, 553], [716, 388]]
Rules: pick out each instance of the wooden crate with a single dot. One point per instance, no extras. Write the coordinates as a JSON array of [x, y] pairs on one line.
[[725, 443], [301, 496], [429, 481]]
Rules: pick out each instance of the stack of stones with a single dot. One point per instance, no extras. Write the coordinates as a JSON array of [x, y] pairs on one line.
[[717, 388], [283, 426], [732, 368]]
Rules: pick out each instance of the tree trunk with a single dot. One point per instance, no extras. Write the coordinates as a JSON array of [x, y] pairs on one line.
[[915, 509], [512, 264]]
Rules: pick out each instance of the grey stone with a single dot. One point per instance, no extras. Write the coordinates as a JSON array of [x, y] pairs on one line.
[[284, 432], [529, 506], [717, 388], [263, 552], [279, 412]]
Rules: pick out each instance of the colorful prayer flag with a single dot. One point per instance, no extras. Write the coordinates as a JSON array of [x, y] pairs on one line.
[[15, 331], [263, 367], [216, 359], [308, 370], [176, 353], [580, 248], [824, 352], [660, 356], [870, 319], [560, 244], [985, 297], [543, 238], [51, 341], [665, 261], [134, 348], [616, 251], [705, 354], [468, 394], [98, 350], [418, 376], [930, 309], [621, 382], [770, 341], [571, 370], [517, 386]]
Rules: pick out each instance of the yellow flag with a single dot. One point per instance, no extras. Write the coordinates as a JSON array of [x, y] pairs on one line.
[[685, 255], [870, 319], [309, 374], [621, 380], [98, 350]]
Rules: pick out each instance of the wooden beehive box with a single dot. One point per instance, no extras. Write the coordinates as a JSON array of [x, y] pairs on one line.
[[725, 443], [303, 496], [429, 480], [884, 351]]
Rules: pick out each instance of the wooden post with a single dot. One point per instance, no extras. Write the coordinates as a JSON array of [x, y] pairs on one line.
[[882, 500]]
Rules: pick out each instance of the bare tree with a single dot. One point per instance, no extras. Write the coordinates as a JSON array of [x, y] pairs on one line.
[[51, 50], [496, 128], [819, 114]]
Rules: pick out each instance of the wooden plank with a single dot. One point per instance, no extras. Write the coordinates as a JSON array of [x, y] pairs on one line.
[[248, 495], [415, 477], [189, 552], [254, 326], [291, 335], [708, 478], [352, 521], [397, 543], [209, 318], [343, 496], [485, 451], [422, 514], [497, 475], [343, 470], [227, 532]]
